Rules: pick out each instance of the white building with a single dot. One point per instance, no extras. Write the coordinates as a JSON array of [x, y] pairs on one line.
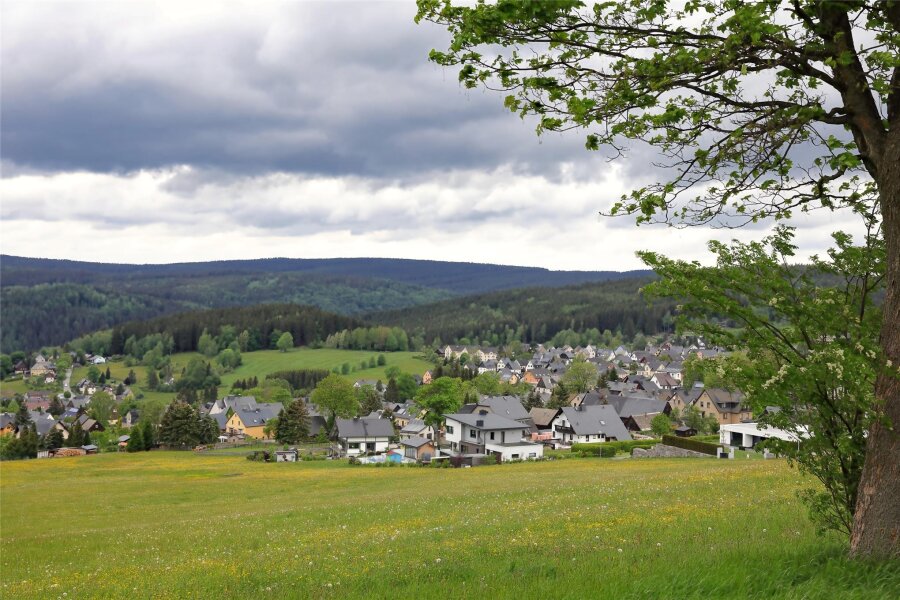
[[360, 436], [747, 435], [589, 425], [486, 433]]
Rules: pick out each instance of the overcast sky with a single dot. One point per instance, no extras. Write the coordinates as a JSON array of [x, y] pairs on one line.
[[168, 132]]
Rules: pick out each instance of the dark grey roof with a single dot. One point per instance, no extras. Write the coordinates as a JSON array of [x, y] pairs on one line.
[[729, 402], [590, 420], [257, 415], [505, 406], [487, 422], [415, 442], [44, 423], [688, 396], [360, 428], [221, 419], [414, 426], [625, 406]]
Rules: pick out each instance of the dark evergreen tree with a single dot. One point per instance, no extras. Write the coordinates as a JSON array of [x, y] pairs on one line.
[[392, 394], [135, 441], [54, 439], [293, 423], [56, 407], [148, 434], [23, 417], [180, 426]]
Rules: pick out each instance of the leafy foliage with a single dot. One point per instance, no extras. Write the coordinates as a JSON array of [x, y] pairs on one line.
[[293, 423], [813, 351]]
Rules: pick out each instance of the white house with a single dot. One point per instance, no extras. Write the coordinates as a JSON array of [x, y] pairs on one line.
[[747, 435], [359, 436], [589, 425], [486, 433]]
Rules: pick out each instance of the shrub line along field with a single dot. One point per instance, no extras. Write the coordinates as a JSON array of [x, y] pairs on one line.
[[178, 524]]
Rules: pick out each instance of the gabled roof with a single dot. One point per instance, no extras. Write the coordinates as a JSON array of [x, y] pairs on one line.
[[486, 422], [414, 426], [415, 442], [505, 406], [543, 417], [592, 420], [688, 396], [257, 415], [361, 428], [725, 401], [625, 406]]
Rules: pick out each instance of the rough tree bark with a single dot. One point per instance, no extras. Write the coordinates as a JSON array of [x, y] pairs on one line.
[[876, 524]]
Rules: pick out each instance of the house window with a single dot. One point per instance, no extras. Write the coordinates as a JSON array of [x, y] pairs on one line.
[[353, 445], [532, 455], [472, 434], [492, 435], [449, 429]]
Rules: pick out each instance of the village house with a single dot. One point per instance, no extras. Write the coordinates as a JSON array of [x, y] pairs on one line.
[[483, 432], [129, 419], [453, 352], [748, 435], [416, 428], [681, 399], [542, 418], [7, 423], [589, 425], [362, 436], [426, 378], [250, 420], [727, 407], [417, 448]]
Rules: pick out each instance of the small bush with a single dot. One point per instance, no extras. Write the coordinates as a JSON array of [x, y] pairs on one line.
[[607, 451]]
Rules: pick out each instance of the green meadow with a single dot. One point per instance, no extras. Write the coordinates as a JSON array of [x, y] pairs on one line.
[[263, 362], [187, 525]]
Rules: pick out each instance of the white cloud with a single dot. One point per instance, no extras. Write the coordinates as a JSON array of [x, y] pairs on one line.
[[182, 214]]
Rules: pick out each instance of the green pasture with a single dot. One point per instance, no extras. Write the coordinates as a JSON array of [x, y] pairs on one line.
[[189, 525]]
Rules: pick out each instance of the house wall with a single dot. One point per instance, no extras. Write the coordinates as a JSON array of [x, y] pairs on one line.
[[235, 424], [571, 438], [365, 445], [522, 452]]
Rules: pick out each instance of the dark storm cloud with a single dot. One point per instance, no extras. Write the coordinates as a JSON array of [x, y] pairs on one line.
[[319, 89]]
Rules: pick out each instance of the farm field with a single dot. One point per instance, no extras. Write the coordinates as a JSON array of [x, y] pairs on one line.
[[263, 362], [174, 525]]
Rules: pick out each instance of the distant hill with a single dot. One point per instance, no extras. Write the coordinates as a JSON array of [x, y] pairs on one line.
[[48, 301], [536, 314], [456, 277]]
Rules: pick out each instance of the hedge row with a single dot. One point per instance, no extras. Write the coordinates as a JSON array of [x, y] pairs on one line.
[[609, 449], [690, 444]]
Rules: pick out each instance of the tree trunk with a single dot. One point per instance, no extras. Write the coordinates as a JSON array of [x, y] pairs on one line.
[[876, 523]]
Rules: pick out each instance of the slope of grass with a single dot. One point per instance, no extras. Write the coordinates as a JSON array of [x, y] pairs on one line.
[[175, 525], [263, 362], [268, 361]]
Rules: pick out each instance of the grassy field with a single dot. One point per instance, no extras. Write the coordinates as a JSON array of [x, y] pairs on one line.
[[176, 525], [263, 362]]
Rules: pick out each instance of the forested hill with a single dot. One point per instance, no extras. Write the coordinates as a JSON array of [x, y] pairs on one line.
[[536, 314], [48, 302], [455, 277]]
